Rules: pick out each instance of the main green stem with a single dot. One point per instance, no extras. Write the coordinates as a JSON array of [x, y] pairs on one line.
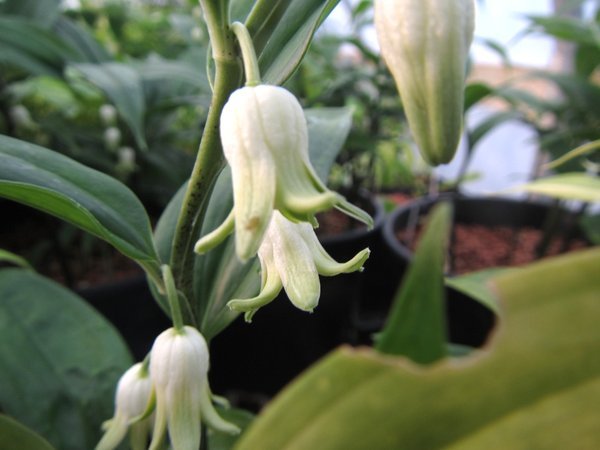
[[209, 161]]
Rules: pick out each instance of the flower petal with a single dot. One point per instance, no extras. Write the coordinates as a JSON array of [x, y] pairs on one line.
[[325, 264], [245, 147], [294, 263], [270, 284]]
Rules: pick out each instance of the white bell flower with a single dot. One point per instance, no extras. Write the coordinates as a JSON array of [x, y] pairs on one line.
[[265, 141], [179, 364], [292, 258], [133, 395]]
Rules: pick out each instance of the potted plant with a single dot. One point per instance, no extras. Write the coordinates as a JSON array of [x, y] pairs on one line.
[[239, 232]]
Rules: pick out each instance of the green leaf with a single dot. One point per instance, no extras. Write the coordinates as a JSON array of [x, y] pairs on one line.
[[475, 92], [43, 13], [123, 86], [78, 38], [416, 324], [536, 386], [569, 29], [6, 256], [328, 129], [14, 435], [566, 186], [91, 200], [27, 46], [288, 41], [476, 286], [582, 150], [59, 360], [590, 225], [491, 122]]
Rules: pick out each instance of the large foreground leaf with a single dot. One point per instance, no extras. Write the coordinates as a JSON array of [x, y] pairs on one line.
[[537, 386], [59, 361], [99, 204]]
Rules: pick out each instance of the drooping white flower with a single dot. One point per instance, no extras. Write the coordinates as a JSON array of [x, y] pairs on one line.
[[179, 364], [133, 395], [292, 258], [425, 44], [265, 141]]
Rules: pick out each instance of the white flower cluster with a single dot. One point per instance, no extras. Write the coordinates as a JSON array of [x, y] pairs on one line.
[[168, 399], [276, 197]]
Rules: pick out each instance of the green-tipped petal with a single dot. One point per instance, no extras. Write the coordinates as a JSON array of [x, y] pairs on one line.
[[355, 212], [115, 432], [215, 237], [326, 265], [210, 415], [270, 285]]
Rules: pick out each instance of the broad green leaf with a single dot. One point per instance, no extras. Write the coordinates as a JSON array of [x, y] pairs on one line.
[[566, 186], [289, 40], [535, 386], [123, 86], [59, 360], [27, 46], [219, 276], [476, 285], [9, 257], [14, 435], [91, 200], [416, 326]]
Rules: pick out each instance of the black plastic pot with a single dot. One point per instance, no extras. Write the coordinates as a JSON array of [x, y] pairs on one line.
[[469, 322], [282, 341]]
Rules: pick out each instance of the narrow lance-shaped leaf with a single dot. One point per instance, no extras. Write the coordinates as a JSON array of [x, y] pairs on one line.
[[416, 325], [123, 86], [566, 186], [91, 200]]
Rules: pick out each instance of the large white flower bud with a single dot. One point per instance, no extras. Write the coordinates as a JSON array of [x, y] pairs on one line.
[[425, 44]]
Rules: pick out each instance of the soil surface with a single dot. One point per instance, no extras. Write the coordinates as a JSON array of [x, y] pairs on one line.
[[476, 247]]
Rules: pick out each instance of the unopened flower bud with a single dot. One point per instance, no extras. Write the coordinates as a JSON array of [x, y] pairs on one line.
[[108, 114], [133, 394], [425, 44]]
